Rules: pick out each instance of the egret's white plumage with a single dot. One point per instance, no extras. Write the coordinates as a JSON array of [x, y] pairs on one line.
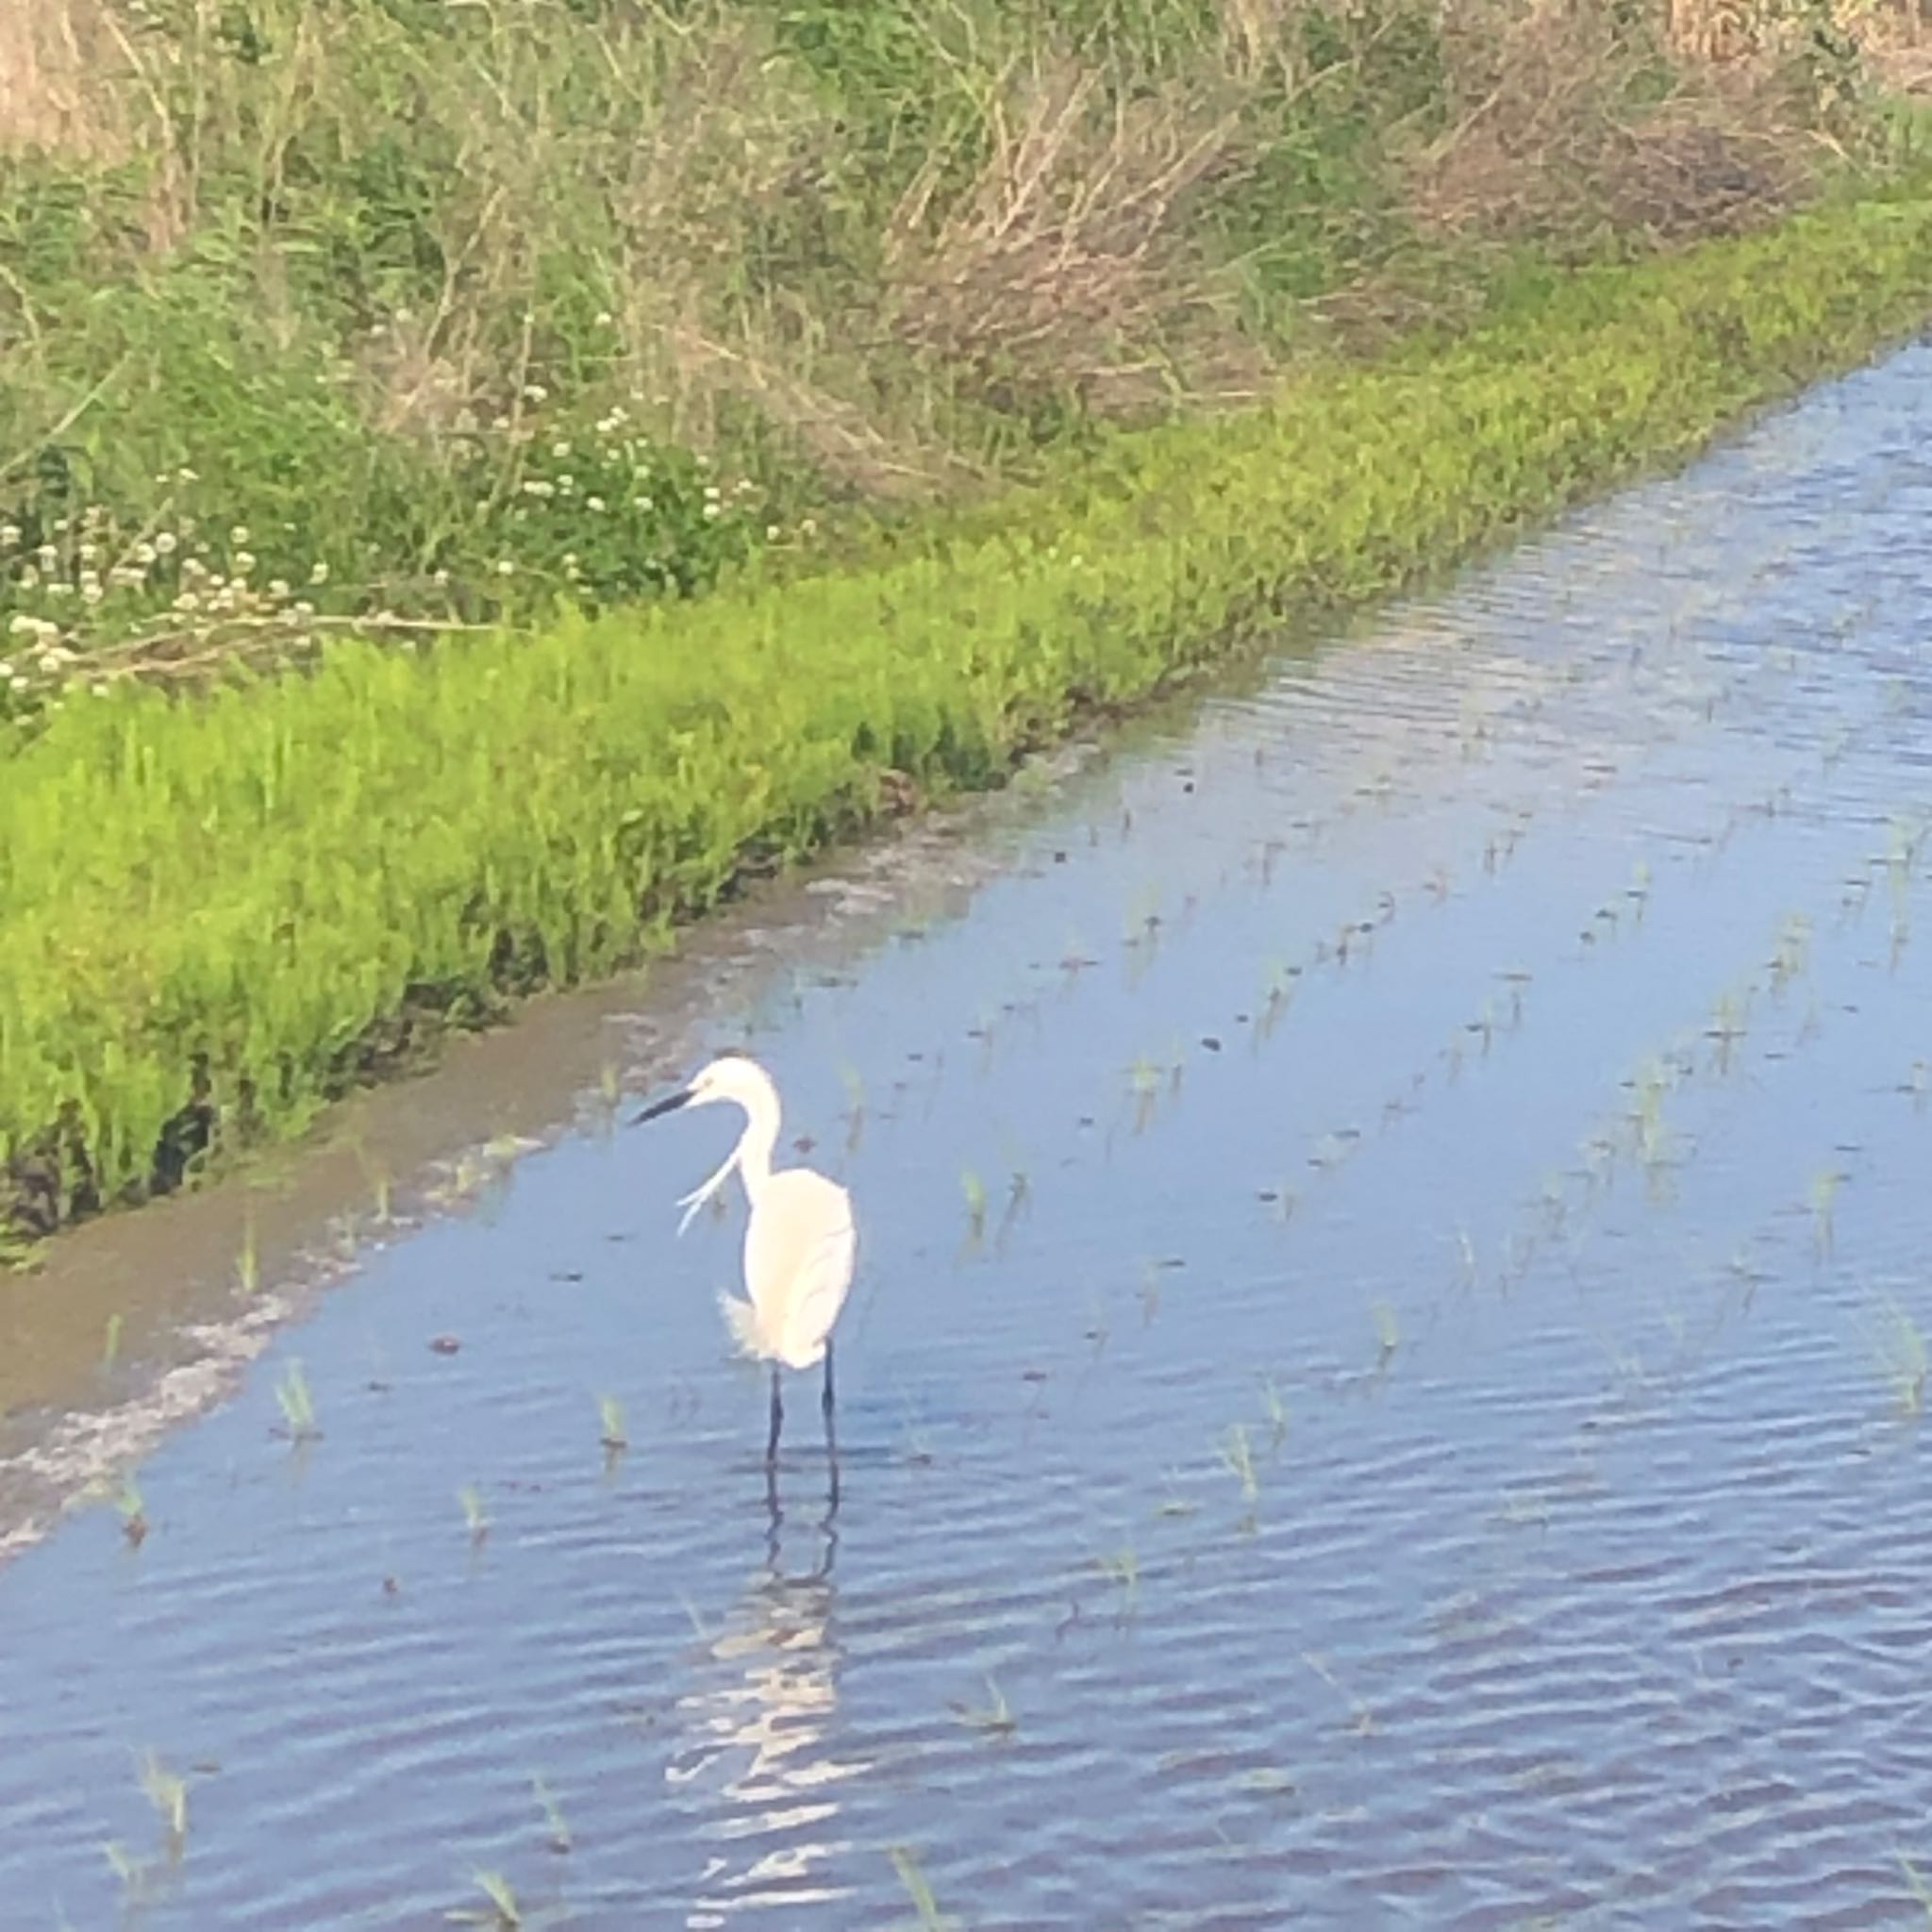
[[799, 1244], [799, 1247]]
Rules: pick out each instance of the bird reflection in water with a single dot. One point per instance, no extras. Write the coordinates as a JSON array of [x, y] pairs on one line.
[[757, 1750]]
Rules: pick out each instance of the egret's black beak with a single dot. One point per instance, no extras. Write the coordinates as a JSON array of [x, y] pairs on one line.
[[669, 1104]]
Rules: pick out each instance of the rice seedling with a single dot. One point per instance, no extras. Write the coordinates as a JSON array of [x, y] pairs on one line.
[[1726, 1028], [556, 1828], [1519, 1252], [906, 1864], [1599, 1153], [1123, 1568], [994, 1716], [1278, 1412], [1652, 1083], [133, 1511], [1920, 1890], [298, 1404], [167, 1791], [1019, 1186], [132, 1871], [1283, 1199], [1387, 1330], [1240, 1461], [854, 1083], [701, 1627], [1148, 1294], [1361, 1718], [1898, 1345], [1792, 950], [502, 1911], [1075, 957], [1905, 839], [1096, 1328], [1555, 1202], [610, 1423], [1142, 922], [1821, 1196], [476, 1517], [1517, 980], [973, 1189], [110, 1345]]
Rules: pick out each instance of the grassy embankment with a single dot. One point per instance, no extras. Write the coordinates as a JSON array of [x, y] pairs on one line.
[[220, 905], [237, 901]]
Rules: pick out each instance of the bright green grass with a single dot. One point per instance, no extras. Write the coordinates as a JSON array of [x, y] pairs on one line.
[[237, 897]]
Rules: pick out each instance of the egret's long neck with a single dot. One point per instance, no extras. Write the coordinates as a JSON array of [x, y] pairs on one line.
[[756, 1143]]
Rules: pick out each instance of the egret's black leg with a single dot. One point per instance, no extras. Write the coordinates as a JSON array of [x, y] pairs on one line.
[[777, 1421], [825, 1402]]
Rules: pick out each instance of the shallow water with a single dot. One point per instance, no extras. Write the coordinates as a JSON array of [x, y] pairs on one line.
[[1424, 1431]]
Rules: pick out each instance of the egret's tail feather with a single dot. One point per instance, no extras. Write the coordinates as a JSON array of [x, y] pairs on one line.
[[742, 1321]]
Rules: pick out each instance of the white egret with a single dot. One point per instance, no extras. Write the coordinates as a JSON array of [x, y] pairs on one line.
[[799, 1244]]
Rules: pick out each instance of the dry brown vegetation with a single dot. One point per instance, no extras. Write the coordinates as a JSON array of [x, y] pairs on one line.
[[59, 80], [1064, 251], [1548, 142]]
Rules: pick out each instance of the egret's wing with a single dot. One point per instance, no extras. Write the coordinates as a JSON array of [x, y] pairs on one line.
[[823, 1286], [799, 1250]]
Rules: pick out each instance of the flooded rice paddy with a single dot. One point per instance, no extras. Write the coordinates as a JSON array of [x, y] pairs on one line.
[[1384, 1387]]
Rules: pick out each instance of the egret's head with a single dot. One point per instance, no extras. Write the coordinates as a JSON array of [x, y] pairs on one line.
[[733, 1076]]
